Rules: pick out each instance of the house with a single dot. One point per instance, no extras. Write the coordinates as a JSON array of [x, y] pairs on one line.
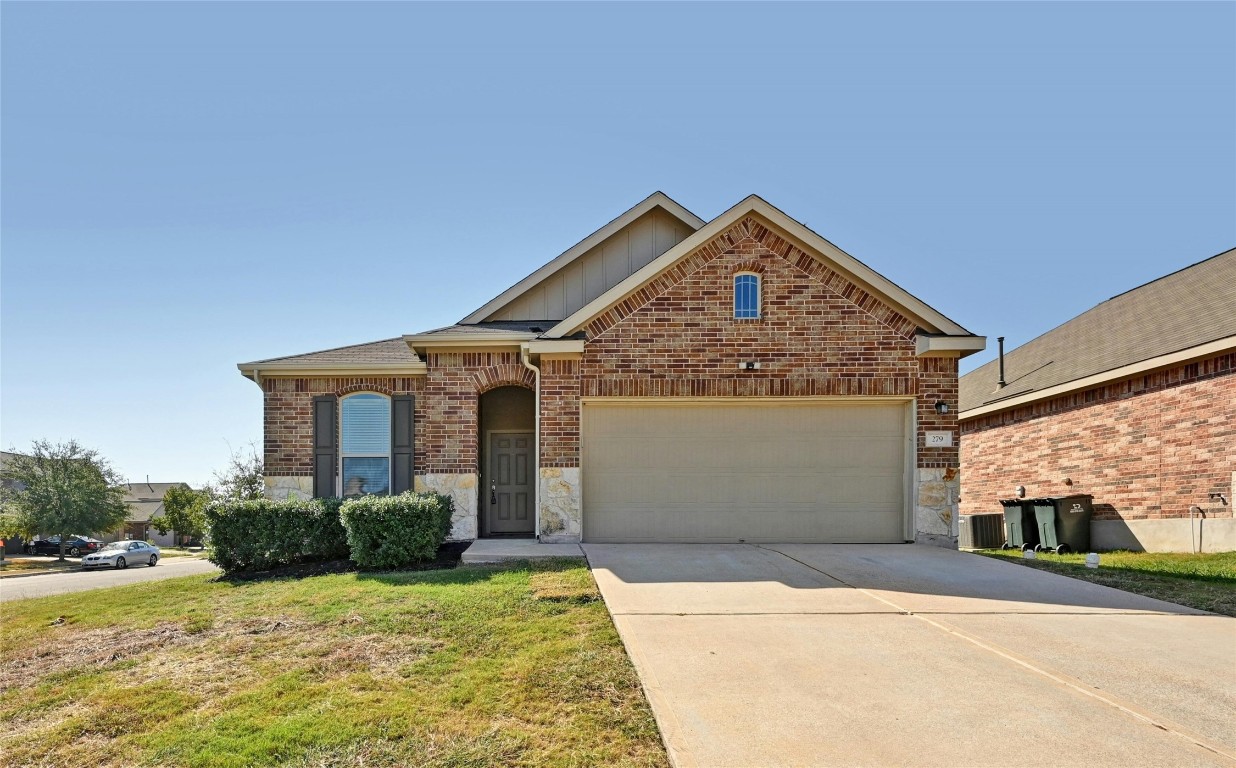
[[1132, 402], [145, 502], [665, 379]]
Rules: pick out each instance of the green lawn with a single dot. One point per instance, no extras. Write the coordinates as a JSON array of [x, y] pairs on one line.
[[1205, 581], [467, 667], [181, 552]]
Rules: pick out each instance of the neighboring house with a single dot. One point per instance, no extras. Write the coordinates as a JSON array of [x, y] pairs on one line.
[[145, 501], [1133, 402], [666, 379]]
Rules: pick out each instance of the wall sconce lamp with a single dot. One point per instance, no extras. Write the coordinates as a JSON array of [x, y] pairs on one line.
[[941, 407]]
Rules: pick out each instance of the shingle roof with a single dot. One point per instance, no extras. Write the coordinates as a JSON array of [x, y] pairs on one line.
[[1193, 306], [384, 351], [395, 350], [145, 500], [496, 326]]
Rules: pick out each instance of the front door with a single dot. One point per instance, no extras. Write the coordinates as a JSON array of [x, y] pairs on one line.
[[509, 495]]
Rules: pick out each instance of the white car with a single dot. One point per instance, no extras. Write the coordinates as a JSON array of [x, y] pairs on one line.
[[122, 554]]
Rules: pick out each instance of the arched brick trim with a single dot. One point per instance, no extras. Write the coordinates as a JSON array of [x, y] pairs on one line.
[[750, 265], [365, 386], [513, 375]]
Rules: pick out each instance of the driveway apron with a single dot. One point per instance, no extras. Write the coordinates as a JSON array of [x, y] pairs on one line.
[[904, 655]]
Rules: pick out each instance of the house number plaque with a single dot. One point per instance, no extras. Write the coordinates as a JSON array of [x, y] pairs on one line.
[[939, 439]]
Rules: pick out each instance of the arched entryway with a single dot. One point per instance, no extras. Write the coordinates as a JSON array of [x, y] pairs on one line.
[[507, 446]]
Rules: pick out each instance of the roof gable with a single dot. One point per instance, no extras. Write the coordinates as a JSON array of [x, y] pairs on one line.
[[793, 235], [593, 265], [1189, 309]]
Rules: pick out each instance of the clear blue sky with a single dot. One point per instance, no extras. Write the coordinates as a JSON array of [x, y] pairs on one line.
[[188, 186]]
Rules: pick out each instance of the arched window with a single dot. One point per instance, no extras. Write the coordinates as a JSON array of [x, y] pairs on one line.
[[746, 296], [365, 444]]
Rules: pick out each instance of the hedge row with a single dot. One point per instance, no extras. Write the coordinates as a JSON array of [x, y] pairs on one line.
[[263, 533], [396, 531], [375, 531]]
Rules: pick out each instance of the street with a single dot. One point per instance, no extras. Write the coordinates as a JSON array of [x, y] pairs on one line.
[[81, 581]]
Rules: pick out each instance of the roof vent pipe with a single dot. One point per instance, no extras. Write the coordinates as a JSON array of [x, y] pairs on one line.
[[1001, 383]]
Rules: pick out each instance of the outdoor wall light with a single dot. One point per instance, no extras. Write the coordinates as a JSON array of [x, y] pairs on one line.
[[941, 407]]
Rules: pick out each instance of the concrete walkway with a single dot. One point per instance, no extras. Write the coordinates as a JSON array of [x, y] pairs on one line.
[[857, 655], [47, 584], [512, 550]]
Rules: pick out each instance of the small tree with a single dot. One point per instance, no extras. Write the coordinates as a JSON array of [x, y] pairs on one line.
[[63, 488], [183, 512], [242, 480]]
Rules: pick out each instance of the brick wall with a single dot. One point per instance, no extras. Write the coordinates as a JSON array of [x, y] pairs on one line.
[[1146, 447], [288, 415], [560, 413], [447, 435], [819, 334]]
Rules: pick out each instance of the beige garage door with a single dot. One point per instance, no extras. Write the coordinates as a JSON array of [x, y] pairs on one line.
[[805, 471]]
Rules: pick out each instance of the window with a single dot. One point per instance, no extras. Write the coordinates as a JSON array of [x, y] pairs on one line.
[[365, 439], [746, 296]]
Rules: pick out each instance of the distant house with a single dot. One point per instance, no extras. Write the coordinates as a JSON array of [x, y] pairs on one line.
[[145, 501], [1132, 402]]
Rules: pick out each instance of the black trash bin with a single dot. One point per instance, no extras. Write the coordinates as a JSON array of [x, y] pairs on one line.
[[1064, 522], [1019, 524]]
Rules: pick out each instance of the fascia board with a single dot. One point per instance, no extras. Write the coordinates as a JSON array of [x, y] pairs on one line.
[[466, 339], [555, 346], [849, 265], [928, 345], [1116, 374], [257, 372], [655, 200]]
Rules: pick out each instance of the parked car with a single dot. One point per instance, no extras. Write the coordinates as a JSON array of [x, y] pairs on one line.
[[73, 546], [122, 554]]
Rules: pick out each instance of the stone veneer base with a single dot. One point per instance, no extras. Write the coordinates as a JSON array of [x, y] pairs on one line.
[[280, 487], [560, 495], [936, 493], [462, 490]]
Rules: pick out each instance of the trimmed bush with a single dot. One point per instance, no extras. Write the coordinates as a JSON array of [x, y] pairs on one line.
[[260, 534], [396, 531]]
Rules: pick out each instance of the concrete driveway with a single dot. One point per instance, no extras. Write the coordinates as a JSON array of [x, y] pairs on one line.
[[904, 655]]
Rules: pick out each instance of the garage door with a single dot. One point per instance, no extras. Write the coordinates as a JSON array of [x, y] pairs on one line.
[[804, 471]]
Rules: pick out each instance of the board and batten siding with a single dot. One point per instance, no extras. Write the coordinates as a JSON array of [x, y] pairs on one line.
[[599, 269]]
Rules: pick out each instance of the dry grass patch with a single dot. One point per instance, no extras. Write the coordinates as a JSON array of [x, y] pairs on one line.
[[518, 667]]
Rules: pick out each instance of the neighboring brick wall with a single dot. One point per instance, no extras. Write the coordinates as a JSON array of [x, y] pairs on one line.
[[560, 413], [288, 416], [1146, 447], [819, 334]]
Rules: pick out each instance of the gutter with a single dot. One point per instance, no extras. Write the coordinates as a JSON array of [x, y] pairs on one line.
[[525, 358]]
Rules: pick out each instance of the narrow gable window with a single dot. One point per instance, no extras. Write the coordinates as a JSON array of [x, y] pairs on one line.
[[365, 443], [746, 296]]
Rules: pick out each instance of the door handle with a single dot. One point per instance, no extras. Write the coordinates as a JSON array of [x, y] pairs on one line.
[[493, 495]]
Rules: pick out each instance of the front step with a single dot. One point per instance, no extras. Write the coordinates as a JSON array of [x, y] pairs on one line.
[[509, 550]]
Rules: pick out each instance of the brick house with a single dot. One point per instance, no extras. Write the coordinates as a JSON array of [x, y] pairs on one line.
[[665, 379], [1133, 402]]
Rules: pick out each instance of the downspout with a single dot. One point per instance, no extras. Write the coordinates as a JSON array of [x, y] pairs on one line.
[[536, 439]]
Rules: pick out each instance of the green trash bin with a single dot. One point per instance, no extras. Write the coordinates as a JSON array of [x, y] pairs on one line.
[[1019, 524], [1064, 523]]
